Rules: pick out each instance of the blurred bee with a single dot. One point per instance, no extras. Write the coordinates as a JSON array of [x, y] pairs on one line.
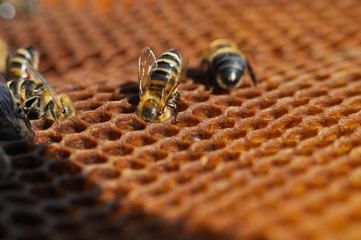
[[38, 98], [158, 81], [226, 65], [4, 51], [5, 166], [16, 69], [10, 128]]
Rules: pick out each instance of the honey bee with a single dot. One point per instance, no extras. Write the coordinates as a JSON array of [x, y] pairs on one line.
[[5, 166], [16, 69], [226, 65], [158, 82], [38, 98], [10, 128]]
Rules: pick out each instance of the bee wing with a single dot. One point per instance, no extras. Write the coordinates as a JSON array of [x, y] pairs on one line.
[[7, 103], [169, 88], [37, 77], [147, 62]]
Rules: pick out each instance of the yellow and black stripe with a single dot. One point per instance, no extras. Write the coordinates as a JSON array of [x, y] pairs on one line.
[[166, 74], [24, 92], [16, 63]]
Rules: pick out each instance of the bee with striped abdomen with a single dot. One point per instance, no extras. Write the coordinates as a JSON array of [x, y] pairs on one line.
[[16, 69], [158, 81], [38, 98], [10, 127], [226, 65]]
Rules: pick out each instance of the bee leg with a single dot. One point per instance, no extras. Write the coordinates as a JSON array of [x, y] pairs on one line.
[[52, 111], [172, 106], [210, 80], [250, 71], [26, 121]]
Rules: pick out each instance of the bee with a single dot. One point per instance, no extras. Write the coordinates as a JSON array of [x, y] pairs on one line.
[[158, 82], [38, 98], [4, 51], [16, 69], [5, 166], [226, 65], [10, 128]]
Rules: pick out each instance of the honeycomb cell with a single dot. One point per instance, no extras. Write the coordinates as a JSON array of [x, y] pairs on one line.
[[36, 176], [273, 113], [197, 135], [206, 111], [105, 132], [48, 192], [195, 97], [25, 218], [307, 110], [27, 162], [87, 105], [79, 141], [259, 103], [218, 123], [64, 167], [252, 123], [92, 117], [76, 184], [18, 148], [239, 112], [207, 146], [286, 122], [129, 123], [184, 121], [99, 174], [174, 145], [163, 130], [89, 157], [326, 101], [47, 137], [247, 93], [227, 101], [117, 149], [72, 127], [55, 152], [139, 139], [151, 155], [229, 135], [119, 107], [41, 124]]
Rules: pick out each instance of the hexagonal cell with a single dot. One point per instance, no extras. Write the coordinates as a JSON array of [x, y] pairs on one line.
[[129, 123], [139, 139], [76, 184], [326, 101], [197, 134], [48, 192], [259, 103], [106, 96], [187, 121], [79, 141], [47, 137], [26, 218], [17, 148], [119, 107], [306, 110], [229, 134], [319, 121], [227, 101], [263, 135], [206, 111], [207, 146], [66, 167], [27, 162], [104, 132], [103, 173], [151, 155], [195, 96], [55, 152], [286, 122], [239, 112], [92, 117], [251, 123], [174, 145], [87, 105], [73, 126], [89, 157], [163, 130], [36, 176], [117, 149], [218, 123], [273, 113], [247, 93], [41, 124]]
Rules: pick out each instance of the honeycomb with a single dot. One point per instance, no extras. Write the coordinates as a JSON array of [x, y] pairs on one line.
[[278, 161]]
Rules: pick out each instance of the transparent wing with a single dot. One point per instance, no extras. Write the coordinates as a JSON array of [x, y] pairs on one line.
[[147, 62], [37, 77], [7, 103], [170, 88]]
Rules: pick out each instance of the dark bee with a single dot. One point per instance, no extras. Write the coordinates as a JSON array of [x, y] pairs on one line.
[[5, 166], [158, 81], [16, 68], [226, 65], [10, 127]]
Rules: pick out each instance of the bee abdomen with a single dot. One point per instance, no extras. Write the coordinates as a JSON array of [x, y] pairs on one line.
[[16, 63], [229, 68]]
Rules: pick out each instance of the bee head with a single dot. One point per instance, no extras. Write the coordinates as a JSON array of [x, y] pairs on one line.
[[69, 109], [150, 111]]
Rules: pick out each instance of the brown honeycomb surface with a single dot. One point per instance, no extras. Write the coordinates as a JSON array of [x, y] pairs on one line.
[[278, 161]]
